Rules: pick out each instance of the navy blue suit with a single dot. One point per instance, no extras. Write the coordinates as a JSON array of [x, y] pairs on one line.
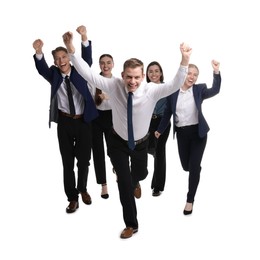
[[191, 139], [74, 135]]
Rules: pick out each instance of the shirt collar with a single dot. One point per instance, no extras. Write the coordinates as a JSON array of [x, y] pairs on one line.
[[185, 91]]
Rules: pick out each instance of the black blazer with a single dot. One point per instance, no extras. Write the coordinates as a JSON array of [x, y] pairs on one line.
[[54, 77], [200, 92]]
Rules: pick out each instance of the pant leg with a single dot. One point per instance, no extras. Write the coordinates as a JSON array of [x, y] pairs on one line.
[[191, 148], [159, 174], [196, 153], [83, 138], [98, 153], [65, 132], [119, 155], [139, 160], [101, 127]]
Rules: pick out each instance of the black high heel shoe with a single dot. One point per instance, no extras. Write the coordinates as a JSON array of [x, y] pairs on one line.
[[188, 212], [104, 196]]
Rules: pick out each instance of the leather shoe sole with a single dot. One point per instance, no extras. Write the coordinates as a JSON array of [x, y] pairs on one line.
[[156, 193], [128, 232], [86, 198], [138, 191], [72, 207]]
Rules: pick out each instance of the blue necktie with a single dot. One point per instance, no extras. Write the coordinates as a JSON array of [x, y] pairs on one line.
[[69, 92], [131, 141]]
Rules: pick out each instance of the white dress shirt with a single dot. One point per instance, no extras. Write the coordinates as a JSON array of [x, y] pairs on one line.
[[63, 101], [186, 110], [144, 98]]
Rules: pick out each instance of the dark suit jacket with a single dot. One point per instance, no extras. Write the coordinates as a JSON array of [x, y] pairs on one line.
[[200, 92], [53, 76]]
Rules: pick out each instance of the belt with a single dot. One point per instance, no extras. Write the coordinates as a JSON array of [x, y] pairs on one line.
[[154, 116], [142, 139], [71, 116], [186, 127], [137, 141]]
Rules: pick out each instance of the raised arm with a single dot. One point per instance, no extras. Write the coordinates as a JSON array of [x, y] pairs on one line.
[[215, 65], [82, 30], [37, 45], [68, 41], [96, 80], [215, 88], [86, 47], [186, 51]]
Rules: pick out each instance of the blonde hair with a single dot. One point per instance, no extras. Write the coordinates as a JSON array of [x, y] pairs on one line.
[[194, 66]]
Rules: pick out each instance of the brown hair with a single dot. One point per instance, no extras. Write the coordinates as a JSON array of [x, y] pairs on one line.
[[160, 68], [60, 48], [106, 55], [133, 63]]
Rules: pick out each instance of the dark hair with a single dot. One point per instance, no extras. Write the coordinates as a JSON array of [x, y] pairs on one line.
[[106, 55], [160, 67], [60, 48]]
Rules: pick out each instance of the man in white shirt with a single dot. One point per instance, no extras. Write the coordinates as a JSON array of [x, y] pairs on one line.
[[145, 96]]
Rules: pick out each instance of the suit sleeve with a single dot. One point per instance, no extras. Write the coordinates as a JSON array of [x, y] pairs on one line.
[[214, 90], [86, 53], [165, 121], [43, 68]]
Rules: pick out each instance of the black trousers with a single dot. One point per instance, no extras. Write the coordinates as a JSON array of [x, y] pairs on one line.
[[130, 167], [101, 128], [158, 148], [74, 137], [191, 148]]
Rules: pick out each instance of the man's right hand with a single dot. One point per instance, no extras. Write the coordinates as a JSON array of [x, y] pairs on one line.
[[68, 41]]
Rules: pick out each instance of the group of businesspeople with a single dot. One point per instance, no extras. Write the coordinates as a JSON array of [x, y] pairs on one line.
[[91, 107]]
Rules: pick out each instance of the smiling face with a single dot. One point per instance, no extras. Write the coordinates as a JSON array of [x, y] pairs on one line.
[[154, 73], [133, 78], [62, 60], [133, 74], [106, 65], [192, 76]]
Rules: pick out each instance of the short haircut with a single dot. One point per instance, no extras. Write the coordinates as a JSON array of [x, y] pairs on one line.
[[60, 48], [133, 63]]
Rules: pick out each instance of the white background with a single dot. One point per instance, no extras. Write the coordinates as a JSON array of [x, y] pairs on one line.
[[225, 220]]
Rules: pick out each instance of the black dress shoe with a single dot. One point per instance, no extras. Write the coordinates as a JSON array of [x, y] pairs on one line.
[[73, 206], [156, 192], [86, 198]]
